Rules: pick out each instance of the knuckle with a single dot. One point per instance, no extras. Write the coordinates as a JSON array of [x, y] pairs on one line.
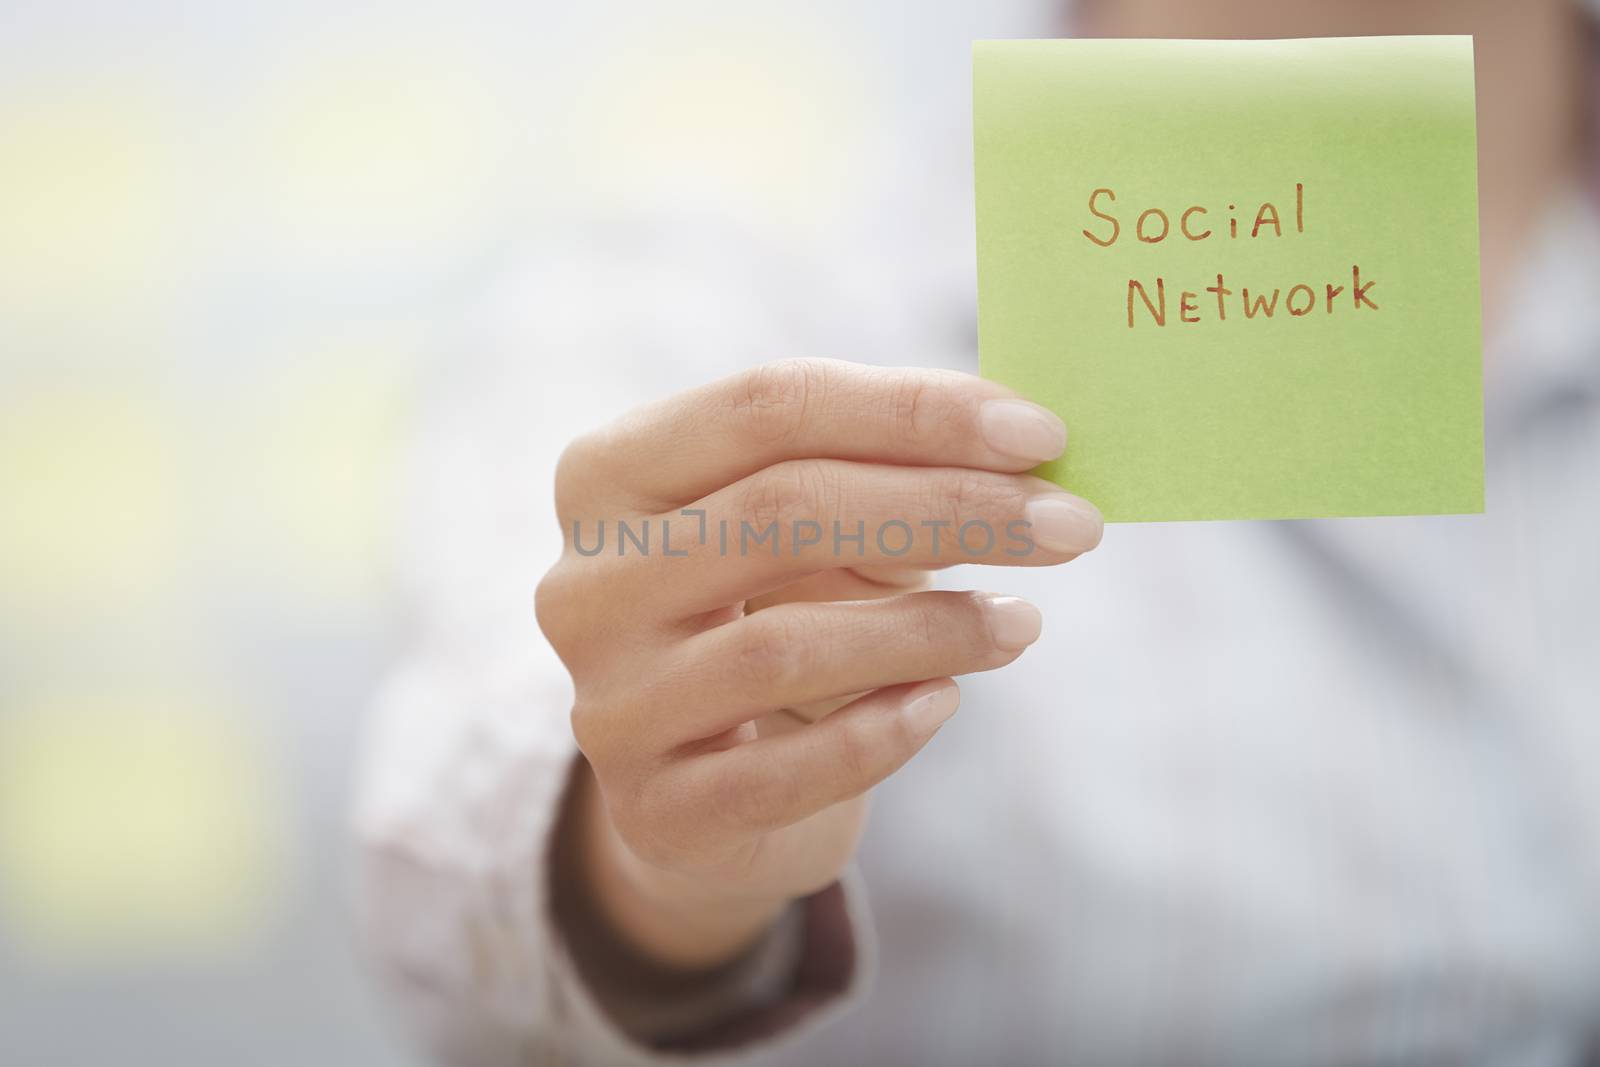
[[898, 743], [948, 628], [784, 493], [930, 623], [575, 469], [586, 722], [647, 840], [662, 818], [971, 620], [771, 402], [859, 753], [751, 798], [550, 600], [602, 733], [639, 820], [916, 416], [731, 792], [961, 496], [774, 654], [774, 799]]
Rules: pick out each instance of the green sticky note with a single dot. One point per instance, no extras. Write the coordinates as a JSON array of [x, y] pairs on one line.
[[1245, 273]]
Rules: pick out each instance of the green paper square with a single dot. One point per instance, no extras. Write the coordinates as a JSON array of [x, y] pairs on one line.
[[1357, 410]]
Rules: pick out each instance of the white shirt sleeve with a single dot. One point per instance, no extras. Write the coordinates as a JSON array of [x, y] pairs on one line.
[[469, 748]]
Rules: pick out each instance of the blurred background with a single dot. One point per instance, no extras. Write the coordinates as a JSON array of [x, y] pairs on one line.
[[236, 242]]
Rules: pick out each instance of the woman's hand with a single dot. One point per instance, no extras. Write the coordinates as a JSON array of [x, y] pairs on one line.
[[714, 798]]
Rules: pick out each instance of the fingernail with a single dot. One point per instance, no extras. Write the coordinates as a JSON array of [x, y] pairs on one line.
[[1018, 428], [929, 708], [1061, 523], [899, 577], [1013, 622]]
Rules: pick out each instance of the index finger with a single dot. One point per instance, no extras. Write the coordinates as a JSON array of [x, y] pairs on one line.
[[688, 446]]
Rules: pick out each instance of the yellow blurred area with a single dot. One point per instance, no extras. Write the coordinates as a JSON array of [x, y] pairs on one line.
[[135, 823], [378, 146], [92, 480], [764, 118], [322, 476], [91, 177]]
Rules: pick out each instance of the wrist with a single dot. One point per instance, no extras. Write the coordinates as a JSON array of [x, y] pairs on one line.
[[669, 918]]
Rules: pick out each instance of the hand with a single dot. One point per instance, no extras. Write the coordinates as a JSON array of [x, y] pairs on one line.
[[714, 800]]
